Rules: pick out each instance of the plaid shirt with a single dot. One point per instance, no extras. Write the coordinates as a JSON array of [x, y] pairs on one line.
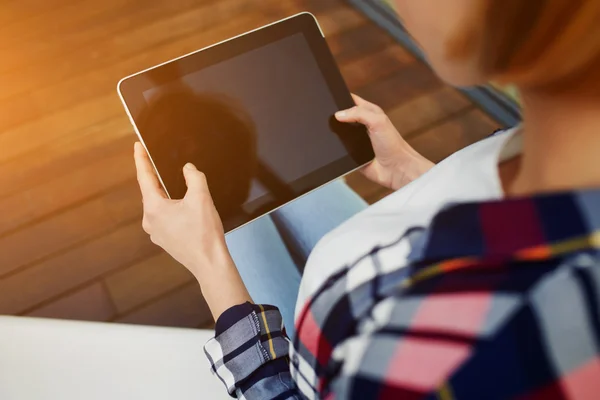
[[499, 300]]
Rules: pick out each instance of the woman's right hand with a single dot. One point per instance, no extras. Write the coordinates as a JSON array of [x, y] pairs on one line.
[[396, 163]]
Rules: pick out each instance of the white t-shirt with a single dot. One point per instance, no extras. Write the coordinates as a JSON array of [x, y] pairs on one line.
[[468, 175]]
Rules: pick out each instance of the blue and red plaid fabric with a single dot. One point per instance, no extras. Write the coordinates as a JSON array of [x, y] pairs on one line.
[[499, 300]]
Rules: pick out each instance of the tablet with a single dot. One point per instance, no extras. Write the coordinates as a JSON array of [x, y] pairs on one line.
[[255, 113]]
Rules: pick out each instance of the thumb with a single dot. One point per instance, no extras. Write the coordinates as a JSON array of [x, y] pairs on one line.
[[362, 115], [195, 180]]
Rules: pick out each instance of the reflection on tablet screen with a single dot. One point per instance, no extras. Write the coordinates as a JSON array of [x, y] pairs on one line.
[[258, 136]]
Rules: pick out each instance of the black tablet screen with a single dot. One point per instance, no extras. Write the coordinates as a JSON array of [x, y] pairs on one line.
[[260, 126]]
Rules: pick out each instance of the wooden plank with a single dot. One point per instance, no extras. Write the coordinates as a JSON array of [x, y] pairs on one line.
[[76, 91], [338, 19], [184, 307], [91, 303], [118, 22], [443, 140], [69, 228], [197, 34], [24, 138], [420, 112], [85, 146], [376, 66], [319, 5], [146, 280], [66, 271], [43, 99], [379, 195], [61, 42], [38, 133], [208, 20], [411, 81], [16, 11], [83, 18], [358, 42], [66, 190], [16, 15]]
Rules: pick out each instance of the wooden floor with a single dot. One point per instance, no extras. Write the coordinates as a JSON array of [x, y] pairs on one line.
[[71, 243]]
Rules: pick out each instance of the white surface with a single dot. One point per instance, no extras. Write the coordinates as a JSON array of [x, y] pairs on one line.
[[69, 360]]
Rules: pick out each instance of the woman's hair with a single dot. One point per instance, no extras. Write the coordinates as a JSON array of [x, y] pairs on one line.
[[542, 42]]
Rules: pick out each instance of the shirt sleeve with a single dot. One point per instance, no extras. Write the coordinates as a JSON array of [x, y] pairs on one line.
[[249, 353]]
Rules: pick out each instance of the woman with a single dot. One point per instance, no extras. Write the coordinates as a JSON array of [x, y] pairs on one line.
[[478, 278]]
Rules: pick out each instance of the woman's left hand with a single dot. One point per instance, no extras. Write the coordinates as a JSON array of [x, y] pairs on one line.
[[190, 230]]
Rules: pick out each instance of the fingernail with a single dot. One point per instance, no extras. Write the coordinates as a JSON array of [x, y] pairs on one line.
[[190, 166], [340, 114]]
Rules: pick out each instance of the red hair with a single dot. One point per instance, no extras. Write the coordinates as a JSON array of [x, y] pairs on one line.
[[543, 42]]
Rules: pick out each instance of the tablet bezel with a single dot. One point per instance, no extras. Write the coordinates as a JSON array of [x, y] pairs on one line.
[[131, 88]]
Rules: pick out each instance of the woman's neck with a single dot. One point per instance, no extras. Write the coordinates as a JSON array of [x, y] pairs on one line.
[[561, 145]]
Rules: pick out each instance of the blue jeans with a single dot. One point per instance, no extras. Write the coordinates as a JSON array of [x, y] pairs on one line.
[[270, 252]]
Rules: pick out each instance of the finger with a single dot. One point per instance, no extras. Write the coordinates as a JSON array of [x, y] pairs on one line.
[[359, 101], [195, 181], [149, 184], [362, 115]]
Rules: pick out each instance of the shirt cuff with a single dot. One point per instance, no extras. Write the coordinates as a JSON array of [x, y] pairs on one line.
[[247, 336]]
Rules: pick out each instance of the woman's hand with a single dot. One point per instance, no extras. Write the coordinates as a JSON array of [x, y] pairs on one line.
[[191, 231], [396, 162]]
